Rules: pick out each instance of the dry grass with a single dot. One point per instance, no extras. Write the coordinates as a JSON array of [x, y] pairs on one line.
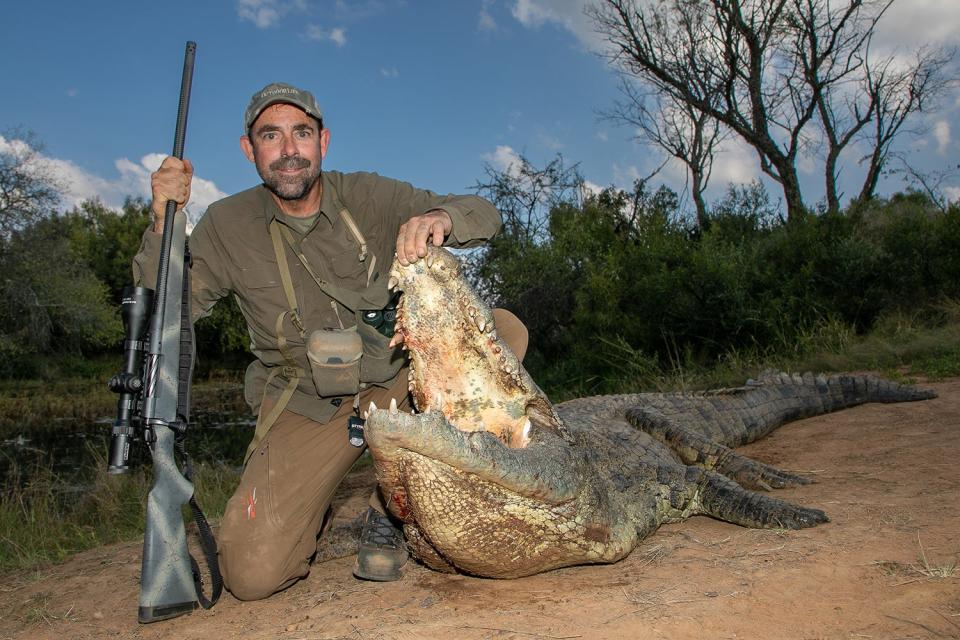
[[922, 568]]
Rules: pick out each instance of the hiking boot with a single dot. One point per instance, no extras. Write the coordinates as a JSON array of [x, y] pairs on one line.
[[382, 551]]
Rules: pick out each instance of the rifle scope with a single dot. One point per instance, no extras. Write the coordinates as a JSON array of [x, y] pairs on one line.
[[135, 308]]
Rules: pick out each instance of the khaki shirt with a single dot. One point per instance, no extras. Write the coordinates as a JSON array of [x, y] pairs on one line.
[[232, 252]]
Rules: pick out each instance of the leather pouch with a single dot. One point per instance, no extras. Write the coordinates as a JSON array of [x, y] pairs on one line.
[[334, 356]]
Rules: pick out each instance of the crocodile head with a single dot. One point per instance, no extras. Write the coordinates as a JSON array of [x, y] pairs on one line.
[[484, 474], [459, 365]]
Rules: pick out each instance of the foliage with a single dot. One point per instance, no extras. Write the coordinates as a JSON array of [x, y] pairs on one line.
[[622, 287], [221, 335], [106, 240], [50, 301]]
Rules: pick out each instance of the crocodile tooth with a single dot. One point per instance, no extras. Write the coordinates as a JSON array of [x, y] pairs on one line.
[[471, 311], [430, 260], [393, 282], [393, 406], [508, 368], [481, 324], [371, 408]]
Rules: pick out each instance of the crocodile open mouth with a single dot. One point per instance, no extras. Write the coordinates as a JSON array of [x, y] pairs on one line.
[[459, 365]]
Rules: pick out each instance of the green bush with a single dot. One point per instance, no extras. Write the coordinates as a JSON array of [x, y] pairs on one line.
[[622, 282]]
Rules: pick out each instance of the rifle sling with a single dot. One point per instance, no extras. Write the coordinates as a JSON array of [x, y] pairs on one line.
[[208, 543]]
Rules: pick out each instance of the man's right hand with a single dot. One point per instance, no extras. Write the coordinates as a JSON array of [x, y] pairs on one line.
[[170, 182]]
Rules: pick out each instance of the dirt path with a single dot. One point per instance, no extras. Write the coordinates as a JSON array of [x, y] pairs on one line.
[[888, 476]]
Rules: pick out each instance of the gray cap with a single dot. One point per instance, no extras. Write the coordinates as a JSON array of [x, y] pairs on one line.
[[277, 92]]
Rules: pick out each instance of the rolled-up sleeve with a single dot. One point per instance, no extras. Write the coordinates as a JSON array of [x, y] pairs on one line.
[[474, 219]]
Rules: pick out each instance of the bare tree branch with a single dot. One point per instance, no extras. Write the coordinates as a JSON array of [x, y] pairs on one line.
[[778, 73], [29, 190]]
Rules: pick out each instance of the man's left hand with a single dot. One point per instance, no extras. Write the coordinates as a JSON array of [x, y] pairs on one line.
[[432, 226]]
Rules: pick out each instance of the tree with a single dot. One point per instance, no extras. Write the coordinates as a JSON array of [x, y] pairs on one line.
[[683, 131], [28, 188], [50, 299], [525, 194], [777, 73], [106, 240]]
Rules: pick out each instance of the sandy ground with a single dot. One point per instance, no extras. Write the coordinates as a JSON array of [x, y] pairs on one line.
[[887, 476]]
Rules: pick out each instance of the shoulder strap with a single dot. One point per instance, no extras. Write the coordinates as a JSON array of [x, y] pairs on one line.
[[285, 280], [354, 231], [350, 299]]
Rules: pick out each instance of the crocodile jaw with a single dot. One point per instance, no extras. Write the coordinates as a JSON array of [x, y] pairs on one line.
[[459, 365]]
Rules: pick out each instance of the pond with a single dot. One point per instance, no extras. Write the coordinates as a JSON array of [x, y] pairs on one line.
[[70, 447]]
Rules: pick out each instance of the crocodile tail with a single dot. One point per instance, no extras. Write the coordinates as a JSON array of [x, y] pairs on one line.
[[844, 390]]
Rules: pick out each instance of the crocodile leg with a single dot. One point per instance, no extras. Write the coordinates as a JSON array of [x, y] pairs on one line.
[[425, 552], [718, 496], [694, 449]]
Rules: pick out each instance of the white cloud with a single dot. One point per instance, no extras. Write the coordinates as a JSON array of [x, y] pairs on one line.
[[262, 13], [485, 21], [568, 14], [735, 162], [591, 188], [389, 72], [133, 180], [909, 24], [337, 35], [504, 159], [952, 194], [602, 136], [941, 131], [266, 13]]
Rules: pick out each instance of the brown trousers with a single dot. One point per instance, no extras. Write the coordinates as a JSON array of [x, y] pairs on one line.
[[270, 526]]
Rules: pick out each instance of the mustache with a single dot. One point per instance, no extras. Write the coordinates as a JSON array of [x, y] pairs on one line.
[[295, 162]]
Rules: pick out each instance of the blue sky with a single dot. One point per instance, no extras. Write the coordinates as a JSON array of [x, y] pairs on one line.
[[426, 91]]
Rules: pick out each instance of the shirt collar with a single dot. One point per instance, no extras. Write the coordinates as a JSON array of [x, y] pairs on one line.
[[328, 205]]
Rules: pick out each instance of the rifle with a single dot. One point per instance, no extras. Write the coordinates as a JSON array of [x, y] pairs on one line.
[[154, 389]]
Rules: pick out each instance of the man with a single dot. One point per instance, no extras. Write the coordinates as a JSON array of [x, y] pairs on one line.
[[307, 255]]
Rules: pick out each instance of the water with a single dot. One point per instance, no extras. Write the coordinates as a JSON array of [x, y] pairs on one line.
[[71, 447]]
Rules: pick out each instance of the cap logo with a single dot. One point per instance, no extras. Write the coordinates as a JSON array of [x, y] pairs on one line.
[[277, 91]]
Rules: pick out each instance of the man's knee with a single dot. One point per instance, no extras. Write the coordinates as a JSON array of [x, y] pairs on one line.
[[512, 331], [253, 572]]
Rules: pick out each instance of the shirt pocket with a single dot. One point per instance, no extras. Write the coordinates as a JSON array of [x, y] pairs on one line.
[[262, 299], [346, 266]]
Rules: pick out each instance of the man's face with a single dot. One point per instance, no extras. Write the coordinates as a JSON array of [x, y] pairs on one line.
[[287, 147]]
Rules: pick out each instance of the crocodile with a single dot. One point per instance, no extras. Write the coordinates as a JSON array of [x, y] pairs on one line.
[[489, 478]]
